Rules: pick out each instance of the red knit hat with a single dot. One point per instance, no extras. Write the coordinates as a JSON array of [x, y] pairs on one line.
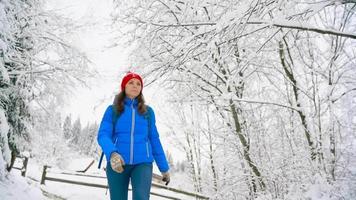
[[128, 77]]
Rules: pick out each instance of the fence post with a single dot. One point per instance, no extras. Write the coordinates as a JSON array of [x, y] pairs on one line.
[[44, 175], [24, 167]]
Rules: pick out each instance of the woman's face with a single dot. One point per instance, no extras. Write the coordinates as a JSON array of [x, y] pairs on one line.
[[133, 88]]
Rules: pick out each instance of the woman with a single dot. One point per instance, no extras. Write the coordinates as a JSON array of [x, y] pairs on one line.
[[131, 145]]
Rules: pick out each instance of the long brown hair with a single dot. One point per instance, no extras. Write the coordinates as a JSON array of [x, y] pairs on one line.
[[119, 103]]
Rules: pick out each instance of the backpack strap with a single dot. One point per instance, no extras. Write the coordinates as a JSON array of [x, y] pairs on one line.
[[115, 117]]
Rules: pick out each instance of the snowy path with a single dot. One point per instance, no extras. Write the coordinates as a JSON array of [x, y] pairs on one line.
[[53, 190], [77, 192]]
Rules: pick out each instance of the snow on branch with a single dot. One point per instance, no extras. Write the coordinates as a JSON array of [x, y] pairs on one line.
[[303, 26], [265, 102], [280, 23]]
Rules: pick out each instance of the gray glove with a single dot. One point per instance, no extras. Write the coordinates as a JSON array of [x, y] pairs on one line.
[[117, 162], [166, 177]]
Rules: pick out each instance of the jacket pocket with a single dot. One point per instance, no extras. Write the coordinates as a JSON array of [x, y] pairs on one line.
[[148, 154], [116, 140]]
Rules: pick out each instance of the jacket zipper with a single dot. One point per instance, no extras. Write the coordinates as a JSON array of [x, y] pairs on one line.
[[148, 155], [132, 133]]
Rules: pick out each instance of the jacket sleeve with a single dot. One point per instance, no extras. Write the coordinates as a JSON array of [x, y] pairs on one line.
[[105, 133], [157, 149]]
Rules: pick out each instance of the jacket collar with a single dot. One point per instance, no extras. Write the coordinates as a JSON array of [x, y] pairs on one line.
[[129, 101]]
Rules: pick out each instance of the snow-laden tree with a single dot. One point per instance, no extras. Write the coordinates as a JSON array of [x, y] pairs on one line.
[[37, 68], [49, 146], [212, 162], [93, 147], [14, 57], [75, 134], [276, 73], [83, 140], [87, 140], [67, 126]]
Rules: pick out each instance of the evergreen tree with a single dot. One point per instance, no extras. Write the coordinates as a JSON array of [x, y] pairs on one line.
[[84, 141], [94, 147], [15, 56], [75, 132], [67, 127], [34, 61], [88, 141]]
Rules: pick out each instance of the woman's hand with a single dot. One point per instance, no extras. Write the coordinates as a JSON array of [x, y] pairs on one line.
[[117, 162], [166, 177]]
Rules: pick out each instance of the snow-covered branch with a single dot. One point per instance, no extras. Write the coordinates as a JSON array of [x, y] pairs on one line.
[[303, 26], [277, 23]]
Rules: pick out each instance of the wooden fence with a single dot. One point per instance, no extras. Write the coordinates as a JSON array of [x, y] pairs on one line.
[[45, 176], [23, 167]]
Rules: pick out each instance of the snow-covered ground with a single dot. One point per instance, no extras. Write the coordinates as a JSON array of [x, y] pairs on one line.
[[15, 187]]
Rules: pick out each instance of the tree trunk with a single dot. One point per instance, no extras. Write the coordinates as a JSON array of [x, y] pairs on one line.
[[211, 157], [289, 73], [245, 147], [12, 161]]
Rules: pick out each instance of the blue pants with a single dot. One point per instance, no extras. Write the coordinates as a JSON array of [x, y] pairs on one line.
[[141, 178]]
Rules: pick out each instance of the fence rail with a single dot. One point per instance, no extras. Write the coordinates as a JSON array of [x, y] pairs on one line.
[[23, 168], [156, 185]]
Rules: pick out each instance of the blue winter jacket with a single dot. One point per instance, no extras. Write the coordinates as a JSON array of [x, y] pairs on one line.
[[131, 139]]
